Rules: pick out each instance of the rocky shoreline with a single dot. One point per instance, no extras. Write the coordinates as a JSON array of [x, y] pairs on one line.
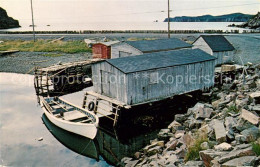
[[253, 23], [225, 132]]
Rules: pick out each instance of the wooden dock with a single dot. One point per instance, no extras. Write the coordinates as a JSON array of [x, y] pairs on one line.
[[61, 78], [104, 106]]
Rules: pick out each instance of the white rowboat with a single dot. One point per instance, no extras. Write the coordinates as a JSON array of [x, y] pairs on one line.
[[70, 117]]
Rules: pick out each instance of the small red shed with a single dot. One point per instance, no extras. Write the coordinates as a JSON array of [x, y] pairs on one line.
[[102, 50]]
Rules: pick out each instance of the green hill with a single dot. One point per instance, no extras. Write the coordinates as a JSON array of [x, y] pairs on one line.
[[234, 17]]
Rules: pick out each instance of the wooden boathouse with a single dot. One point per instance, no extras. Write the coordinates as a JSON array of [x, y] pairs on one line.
[[154, 76], [216, 45], [133, 48]]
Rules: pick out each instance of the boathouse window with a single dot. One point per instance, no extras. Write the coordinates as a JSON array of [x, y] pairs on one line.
[[124, 54], [154, 78]]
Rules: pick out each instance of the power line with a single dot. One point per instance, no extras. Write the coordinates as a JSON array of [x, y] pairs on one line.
[[219, 7], [161, 11]]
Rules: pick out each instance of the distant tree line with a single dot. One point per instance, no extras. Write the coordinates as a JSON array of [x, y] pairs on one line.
[[133, 31]]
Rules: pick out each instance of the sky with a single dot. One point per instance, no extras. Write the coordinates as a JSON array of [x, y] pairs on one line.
[[122, 10]]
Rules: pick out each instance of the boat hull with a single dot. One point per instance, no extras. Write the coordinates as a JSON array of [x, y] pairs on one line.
[[83, 129]]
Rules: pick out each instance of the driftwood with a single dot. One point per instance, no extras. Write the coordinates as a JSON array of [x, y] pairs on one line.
[[8, 52], [55, 40], [228, 68]]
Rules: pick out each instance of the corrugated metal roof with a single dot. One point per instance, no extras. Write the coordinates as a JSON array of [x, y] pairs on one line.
[[218, 43], [157, 60], [158, 45]]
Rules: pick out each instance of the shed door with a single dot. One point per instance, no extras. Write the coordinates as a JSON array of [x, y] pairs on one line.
[[108, 84]]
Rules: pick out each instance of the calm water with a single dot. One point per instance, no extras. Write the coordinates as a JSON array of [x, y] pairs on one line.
[[22, 123], [84, 25], [21, 126]]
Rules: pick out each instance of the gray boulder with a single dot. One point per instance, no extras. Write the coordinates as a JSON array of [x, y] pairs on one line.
[[240, 138], [236, 154], [255, 97], [242, 161], [194, 164], [164, 134], [251, 134], [174, 126], [223, 147], [220, 131], [250, 117], [204, 145], [180, 118], [208, 155], [243, 124]]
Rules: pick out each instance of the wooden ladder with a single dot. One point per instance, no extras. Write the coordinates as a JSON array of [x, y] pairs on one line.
[[113, 115]]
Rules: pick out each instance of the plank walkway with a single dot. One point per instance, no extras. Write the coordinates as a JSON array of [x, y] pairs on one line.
[[58, 67]]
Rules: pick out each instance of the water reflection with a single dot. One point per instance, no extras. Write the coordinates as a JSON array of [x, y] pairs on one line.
[[105, 146], [21, 126], [76, 143]]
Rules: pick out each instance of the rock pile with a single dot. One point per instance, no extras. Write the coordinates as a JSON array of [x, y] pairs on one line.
[[224, 133]]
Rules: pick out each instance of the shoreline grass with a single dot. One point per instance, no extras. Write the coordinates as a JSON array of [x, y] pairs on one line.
[[45, 46]]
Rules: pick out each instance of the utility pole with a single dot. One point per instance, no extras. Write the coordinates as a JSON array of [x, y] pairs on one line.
[[32, 21], [169, 36]]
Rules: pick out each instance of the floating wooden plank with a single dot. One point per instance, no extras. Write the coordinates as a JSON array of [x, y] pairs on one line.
[[55, 40], [8, 52]]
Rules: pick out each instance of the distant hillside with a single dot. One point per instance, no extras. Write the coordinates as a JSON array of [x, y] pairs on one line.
[[234, 17], [253, 23], [6, 21]]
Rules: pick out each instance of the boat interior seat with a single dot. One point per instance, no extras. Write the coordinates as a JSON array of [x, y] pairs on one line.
[[89, 120], [73, 115], [62, 107]]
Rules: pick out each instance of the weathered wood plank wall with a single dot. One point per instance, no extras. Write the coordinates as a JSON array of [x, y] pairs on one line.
[[124, 50], [109, 81], [172, 81], [223, 57]]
